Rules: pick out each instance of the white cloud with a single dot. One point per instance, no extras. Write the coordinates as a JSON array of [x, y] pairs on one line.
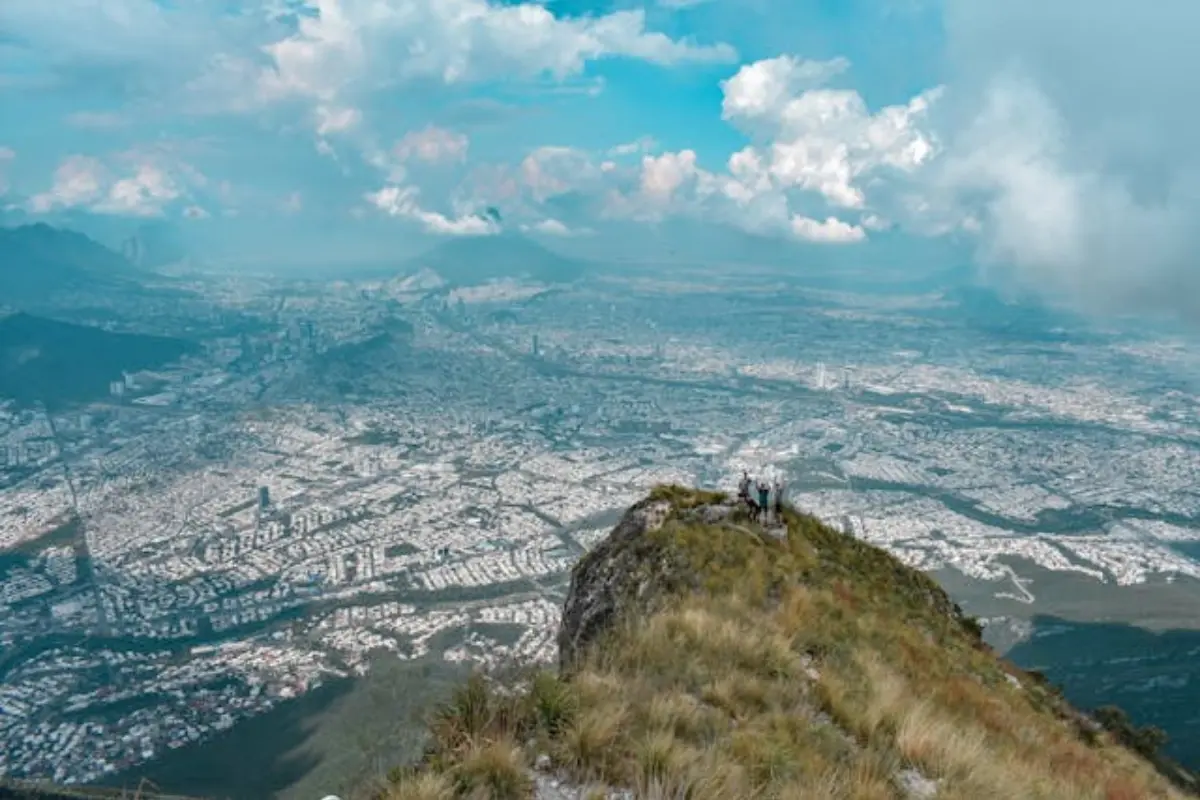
[[86, 182], [663, 175], [832, 230], [764, 88], [432, 145], [644, 144], [142, 195], [401, 201], [453, 41], [79, 180], [824, 140], [1071, 151], [554, 227], [677, 4], [334, 119], [811, 146]]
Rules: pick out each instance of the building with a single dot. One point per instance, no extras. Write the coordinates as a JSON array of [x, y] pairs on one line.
[[264, 499]]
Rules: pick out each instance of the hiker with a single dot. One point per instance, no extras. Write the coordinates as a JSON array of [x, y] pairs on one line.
[[779, 487], [764, 498], [744, 488]]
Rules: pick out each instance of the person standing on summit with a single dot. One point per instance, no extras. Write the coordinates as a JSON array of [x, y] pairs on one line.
[[779, 489], [764, 498], [744, 488]]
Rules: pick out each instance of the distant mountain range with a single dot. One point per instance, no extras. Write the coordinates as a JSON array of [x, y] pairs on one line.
[[44, 360], [39, 261]]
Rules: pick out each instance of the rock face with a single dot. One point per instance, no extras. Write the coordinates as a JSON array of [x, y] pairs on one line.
[[604, 580], [626, 572]]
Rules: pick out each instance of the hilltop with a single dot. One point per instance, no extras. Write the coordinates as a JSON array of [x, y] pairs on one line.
[[39, 261], [704, 656], [55, 362]]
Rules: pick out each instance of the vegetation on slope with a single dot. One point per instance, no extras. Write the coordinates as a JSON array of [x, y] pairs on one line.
[[810, 666]]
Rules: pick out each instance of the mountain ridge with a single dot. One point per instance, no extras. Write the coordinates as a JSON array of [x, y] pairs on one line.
[[703, 655]]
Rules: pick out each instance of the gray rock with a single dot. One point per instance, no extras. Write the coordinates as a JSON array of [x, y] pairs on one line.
[[914, 785], [542, 763], [612, 573]]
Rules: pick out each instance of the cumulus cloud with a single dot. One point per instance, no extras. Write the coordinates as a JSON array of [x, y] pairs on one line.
[[824, 140], [402, 201], [831, 230], [554, 227], [811, 147], [456, 41], [1071, 148], [86, 182], [79, 180], [432, 145], [143, 194], [334, 119]]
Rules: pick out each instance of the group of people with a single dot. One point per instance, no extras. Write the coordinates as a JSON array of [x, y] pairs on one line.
[[761, 508]]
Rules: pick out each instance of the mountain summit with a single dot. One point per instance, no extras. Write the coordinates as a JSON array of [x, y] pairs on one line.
[[704, 656], [39, 261]]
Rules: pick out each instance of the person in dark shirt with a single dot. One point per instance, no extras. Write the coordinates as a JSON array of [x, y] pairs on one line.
[[779, 489], [764, 498]]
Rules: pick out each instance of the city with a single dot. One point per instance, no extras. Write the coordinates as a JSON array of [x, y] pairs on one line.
[[396, 469]]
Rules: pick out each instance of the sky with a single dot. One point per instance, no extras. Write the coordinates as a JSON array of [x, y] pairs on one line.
[[1051, 143]]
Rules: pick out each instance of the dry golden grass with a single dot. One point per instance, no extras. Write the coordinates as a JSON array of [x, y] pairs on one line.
[[426, 786], [814, 668]]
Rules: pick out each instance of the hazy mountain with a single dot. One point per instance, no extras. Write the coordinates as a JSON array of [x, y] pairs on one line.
[[39, 261], [476, 259], [56, 362]]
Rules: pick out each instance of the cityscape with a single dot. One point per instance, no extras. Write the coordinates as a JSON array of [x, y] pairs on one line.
[[401, 469]]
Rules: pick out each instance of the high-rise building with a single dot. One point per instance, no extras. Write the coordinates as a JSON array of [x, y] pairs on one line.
[[264, 499]]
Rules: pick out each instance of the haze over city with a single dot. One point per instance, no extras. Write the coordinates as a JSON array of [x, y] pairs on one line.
[[333, 333]]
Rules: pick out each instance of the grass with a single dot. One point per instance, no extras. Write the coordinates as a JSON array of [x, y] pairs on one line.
[[814, 667]]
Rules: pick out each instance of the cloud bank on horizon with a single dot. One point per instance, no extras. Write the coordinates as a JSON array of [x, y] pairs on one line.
[[1056, 140]]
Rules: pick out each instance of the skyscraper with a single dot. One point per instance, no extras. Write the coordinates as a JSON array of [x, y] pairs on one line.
[[264, 499]]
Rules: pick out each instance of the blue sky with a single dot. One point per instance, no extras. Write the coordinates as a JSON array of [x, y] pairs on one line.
[[1050, 143]]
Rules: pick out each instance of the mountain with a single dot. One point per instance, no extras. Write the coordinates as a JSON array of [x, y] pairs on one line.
[[703, 655], [39, 261], [476, 259], [44, 360]]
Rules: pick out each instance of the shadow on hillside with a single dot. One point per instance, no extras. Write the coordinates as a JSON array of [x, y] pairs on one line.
[[335, 739], [257, 758], [1150, 675]]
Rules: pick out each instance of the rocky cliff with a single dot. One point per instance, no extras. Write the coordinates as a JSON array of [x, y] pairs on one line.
[[706, 656]]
